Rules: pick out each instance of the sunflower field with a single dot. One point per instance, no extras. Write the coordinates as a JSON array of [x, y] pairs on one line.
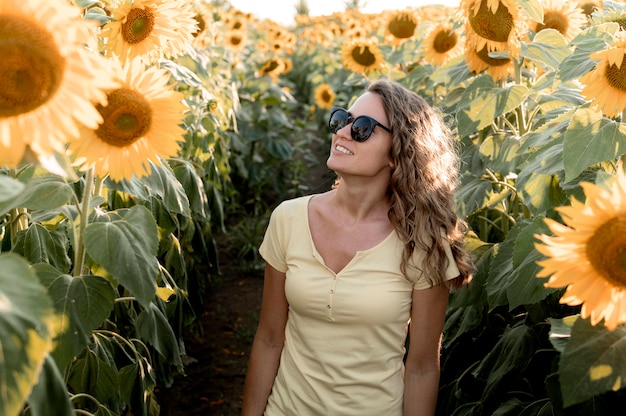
[[134, 132]]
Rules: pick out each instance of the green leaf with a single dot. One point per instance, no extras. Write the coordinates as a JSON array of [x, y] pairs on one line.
[[484, 103], [548, 46], [38, 245], [127, 248], [50, 396], [561, 331], [91, 375], [43, 193], [579, 62], [25, 337], [511, 354], [591, 139], [501, 269], [523, 287], [592, 362], [533, 8], [542, 193], [9, 188], [82, 302], [153, 326], [161, 182], [501, 151], [192, 184], [472, 194]]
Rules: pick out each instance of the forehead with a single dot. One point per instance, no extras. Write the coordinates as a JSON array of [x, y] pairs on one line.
[[369, 104]]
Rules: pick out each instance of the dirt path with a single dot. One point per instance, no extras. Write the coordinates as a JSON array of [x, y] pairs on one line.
[[216, 361]]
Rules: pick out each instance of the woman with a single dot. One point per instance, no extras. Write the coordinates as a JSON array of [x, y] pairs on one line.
[[348, 269]]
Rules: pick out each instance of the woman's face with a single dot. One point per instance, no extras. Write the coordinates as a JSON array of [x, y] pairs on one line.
[[368, 158]]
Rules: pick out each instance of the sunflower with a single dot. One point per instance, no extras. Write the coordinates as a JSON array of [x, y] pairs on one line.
[[362, 56], [324, 96], [49, 81], [589, 6], [401, 26], [563, 16], [142, 123], [586, 253], [236, 40], [151, 29], [273, 67], [442, 44], [611, 12], [494, 24], [606, 84], [498, 68]]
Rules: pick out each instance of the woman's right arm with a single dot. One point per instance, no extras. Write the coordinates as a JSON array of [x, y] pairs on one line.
[[267, 345]]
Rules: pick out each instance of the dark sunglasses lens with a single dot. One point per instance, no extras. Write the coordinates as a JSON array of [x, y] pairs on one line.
[[338, 120], [362, 129]]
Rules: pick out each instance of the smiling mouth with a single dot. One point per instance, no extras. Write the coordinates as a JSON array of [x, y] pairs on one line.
[[343, 150]]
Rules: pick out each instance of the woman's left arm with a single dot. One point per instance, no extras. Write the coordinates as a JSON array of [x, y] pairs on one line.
[[421, 377]]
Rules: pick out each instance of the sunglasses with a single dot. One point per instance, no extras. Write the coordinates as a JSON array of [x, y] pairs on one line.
[[362, 126]]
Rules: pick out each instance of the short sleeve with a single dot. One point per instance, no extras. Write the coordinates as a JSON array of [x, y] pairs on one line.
[[275, 240], [451, 272]]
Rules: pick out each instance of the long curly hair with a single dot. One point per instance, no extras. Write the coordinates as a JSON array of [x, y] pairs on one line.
[[423, 183]]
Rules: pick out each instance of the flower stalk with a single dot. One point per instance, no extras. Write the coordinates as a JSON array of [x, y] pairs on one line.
[[83, 212]]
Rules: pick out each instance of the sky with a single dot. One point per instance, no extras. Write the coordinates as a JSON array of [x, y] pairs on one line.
[[283, 11]]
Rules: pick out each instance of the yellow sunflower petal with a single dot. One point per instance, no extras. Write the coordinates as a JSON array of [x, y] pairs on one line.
[[49, 81], [141, 124], [588, 257]]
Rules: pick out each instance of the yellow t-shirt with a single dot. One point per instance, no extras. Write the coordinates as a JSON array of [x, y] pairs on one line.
[[345, 334]]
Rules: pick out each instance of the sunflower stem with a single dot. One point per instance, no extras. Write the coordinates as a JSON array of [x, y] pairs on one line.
[[521, 114], [79, 253]]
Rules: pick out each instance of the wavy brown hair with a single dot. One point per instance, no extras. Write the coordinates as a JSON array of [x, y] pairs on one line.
[[423, 183]]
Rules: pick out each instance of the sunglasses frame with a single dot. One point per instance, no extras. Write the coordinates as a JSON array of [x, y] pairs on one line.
[[351, 120]]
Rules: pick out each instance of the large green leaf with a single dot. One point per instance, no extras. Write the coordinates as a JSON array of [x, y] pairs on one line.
[[126, 248], [9, 188], [161, 182], [472, 194], [92, 375], [39, 245], [579, 62], [591, 139], [524, 288], [25, 337], [500, 269], [548, 46], [83, 303], [592, 362], [50, 396], [153, 326], [511, 354], [43, 193], [484, 102], [192, 183]]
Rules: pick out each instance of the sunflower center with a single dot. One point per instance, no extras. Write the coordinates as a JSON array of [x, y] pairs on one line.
[[402, 27], [616, 76], [138, 25], [606, 251], [492, 26], [127, 118], [483, 54], [31, 67], [363, 56], [444, 41], [554, 20]]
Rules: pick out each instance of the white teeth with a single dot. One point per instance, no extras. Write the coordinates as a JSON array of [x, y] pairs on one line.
[[343, 150]]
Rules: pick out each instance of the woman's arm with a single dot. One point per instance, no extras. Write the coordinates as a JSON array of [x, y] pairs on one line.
[[421, 377], [267, 345]]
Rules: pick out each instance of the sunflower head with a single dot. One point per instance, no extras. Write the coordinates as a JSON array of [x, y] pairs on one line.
[[141, 123], [495, 24], [442, 44], [236, 40], [497, 67], [605, 85], [49, 82], [324, 96], [564, 16], [362, 56], [402, 24], [587, 252]]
